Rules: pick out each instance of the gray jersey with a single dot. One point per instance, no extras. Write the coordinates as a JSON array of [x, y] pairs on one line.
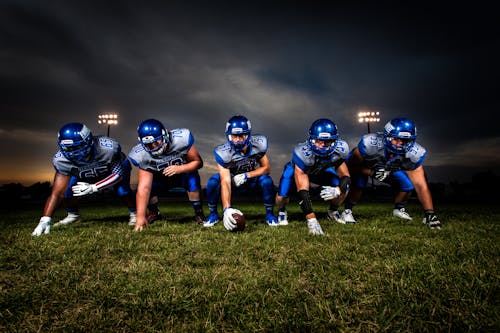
[[230, 159], [181, 140], [312, 164], [371, 148], [107, 158]]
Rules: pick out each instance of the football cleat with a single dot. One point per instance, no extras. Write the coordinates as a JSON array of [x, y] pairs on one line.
[[153, 216], [71, 218], [347, 217], [199, 218], [334, 215], [401, 213], [212, 219], [314, 227], [283, 218], [132, 219], [271, 220]]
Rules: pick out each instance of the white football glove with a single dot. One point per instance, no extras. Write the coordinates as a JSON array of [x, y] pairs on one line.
[[381, 174], [43, 226], [240, 179], [329, 192], [314, 227], [82, 188], [229, 221]]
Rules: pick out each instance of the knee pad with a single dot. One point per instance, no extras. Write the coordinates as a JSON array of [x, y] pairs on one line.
[[305, 202], [345, 184]]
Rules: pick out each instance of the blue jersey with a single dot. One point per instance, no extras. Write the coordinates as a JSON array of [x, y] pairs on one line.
[[371, 148], [230, 159], [181, 140], [311, 164], [106, 158]]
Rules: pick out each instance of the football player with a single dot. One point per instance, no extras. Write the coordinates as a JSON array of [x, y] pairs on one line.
[[319, 160], [85, 164], [166, 159], [392, 157], [243, 164]]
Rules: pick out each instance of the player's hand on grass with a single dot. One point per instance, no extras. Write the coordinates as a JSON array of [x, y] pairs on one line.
[[43, 226], [141, 223]]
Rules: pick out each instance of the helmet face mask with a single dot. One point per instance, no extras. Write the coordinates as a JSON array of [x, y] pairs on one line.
[[399, 136], [75, 142], [238, 132], [323, 137], [153, 136]]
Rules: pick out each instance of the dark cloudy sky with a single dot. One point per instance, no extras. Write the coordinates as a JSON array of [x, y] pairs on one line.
[[281, 63]]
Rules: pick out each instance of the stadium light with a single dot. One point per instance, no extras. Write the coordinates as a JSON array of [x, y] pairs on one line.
[[368, 117], [108, 119]]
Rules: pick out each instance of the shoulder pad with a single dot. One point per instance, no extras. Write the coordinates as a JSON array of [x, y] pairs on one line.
[[259, 142], [342, 148]]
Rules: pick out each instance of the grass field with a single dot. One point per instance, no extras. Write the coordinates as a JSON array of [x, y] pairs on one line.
[[382, 274]]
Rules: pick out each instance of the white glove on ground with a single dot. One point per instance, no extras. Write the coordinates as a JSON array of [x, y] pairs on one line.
[[43, 226], [240, 179], [381, 174], [82, 188], [329, 192], [229, 221], [314, 227]]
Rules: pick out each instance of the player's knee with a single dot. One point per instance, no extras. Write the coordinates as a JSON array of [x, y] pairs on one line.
[[266, 181]]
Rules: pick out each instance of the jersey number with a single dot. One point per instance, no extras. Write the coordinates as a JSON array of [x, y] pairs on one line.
[[94, 172]]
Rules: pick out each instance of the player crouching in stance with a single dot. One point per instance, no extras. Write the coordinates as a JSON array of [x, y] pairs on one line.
[[165, 159], [84, 165], [241, 162], [319, 160], [395, 158]]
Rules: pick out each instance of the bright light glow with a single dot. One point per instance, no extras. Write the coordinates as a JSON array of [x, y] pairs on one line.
[[108, 119], [368, 117]]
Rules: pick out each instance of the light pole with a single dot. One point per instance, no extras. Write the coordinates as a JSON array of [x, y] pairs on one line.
[[368, 117], [108, 119]]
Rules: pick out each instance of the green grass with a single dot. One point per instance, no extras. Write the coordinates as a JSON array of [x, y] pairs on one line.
[[382, 274]]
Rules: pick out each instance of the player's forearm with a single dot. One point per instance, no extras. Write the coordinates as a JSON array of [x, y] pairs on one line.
[[302, 181], [191, 166], [225, 194], [141, 202], [109, 181], [51, 204], [258, 172], [425, 197]]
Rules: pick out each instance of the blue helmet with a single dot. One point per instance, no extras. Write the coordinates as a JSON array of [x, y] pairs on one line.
[[238, 125], [75, 142], [323, 130], [400, 128], [151, 131]]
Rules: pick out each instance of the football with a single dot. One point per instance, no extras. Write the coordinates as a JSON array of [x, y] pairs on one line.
[[241, 222]]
